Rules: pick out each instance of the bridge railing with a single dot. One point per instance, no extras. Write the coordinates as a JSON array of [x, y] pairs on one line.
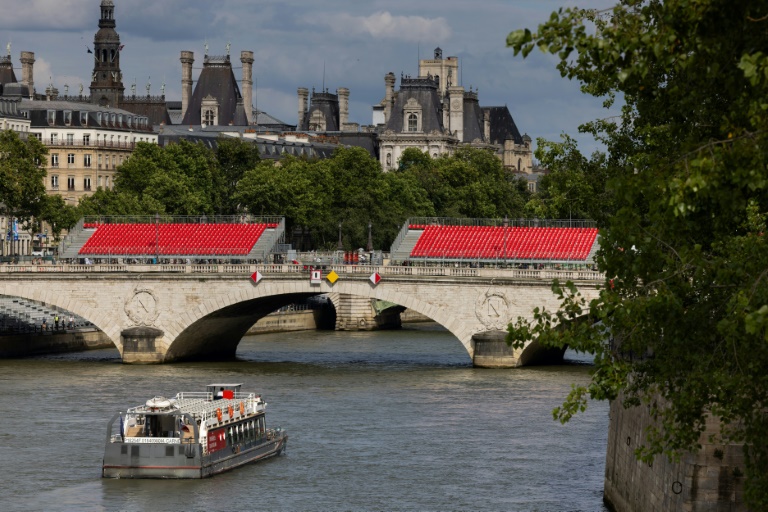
[[356, 271]]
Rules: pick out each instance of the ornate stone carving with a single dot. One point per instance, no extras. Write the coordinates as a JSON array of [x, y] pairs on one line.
[[141, 307], [492, 309]]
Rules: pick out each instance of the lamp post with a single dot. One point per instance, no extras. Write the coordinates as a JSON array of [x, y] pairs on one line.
[[506, 225], [157, 238], [370, 240], [340, 245]]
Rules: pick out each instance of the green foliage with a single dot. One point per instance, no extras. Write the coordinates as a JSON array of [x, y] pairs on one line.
[[683, 246], [58, 214], [574, 188], [235, 157], [22, 175], [183, 177]]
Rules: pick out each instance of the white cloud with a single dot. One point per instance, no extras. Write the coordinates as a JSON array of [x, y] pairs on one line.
[[383, 25], [34, 15]]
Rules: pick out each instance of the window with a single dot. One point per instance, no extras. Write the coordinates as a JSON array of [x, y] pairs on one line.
[[70, 183], [87, 183], [208, 118], [51, 117], [101, 181], [87, 160], [68, 117], [86, 140], [106, 181], [128, 120], [54, 139], [532, 186], [114, 161], [413, 122], [71, 159], [83, 118], [55, 160], [99, 161], [39, 136], [519, 164], [70, 139], [55, 181], [98, 118]]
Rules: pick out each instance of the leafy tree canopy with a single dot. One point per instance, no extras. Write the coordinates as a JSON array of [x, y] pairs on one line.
[[22, 175], [685, 252]]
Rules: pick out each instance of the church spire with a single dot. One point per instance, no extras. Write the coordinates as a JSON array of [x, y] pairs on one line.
[[107, 81]]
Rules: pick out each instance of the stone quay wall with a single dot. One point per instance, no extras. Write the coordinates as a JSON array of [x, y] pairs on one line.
[[710, 480]]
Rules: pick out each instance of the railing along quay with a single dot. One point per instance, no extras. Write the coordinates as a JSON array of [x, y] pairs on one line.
[[546, 274]]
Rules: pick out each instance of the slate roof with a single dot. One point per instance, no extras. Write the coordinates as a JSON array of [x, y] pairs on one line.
[[217, 80], [7, 75], [38, 114], [328, 104], [425, 92], [155, 111], [503, 127], [473, 118]]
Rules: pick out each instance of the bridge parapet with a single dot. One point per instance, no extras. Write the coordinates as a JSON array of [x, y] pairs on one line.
[[362, 270]]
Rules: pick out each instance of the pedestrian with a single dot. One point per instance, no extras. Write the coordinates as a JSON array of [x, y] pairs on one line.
[[56, 322]]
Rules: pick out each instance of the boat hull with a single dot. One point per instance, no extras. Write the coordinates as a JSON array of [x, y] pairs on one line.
[[177, 461]]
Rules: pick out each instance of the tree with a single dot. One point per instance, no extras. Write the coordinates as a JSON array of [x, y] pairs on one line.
[[574, 186], [685, 254], [182, 177], [22, 175], [235, 157]]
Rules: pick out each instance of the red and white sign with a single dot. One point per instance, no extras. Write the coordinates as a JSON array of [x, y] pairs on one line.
[[217, 440], [256, 277], [375, 278], [316, 277]]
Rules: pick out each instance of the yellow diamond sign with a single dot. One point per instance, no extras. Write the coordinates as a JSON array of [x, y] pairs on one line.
[[332, 277]]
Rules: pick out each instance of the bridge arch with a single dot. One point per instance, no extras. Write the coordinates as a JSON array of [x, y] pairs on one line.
[[216, 327]]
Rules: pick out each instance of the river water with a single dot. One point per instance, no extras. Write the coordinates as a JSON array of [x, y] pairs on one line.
[[392, 420]]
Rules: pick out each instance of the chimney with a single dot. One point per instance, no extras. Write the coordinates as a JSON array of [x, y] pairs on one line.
[[27, 72], [303, 95], [343, 94], [187, 59], [246, 58], [487, 125], [389, 95]]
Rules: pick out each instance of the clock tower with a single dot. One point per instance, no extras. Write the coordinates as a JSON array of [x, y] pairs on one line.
[[107, 81]]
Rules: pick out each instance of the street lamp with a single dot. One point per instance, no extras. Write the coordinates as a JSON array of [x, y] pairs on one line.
[[157, 238], [340, 245], [506, 225], [370, 240]]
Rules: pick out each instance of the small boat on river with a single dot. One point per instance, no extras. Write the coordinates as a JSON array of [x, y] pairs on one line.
[[192, 435]]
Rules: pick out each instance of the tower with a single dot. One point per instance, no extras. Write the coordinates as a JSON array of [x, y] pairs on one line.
[[107, 81]]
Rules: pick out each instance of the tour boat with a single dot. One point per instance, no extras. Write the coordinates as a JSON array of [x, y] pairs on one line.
[[192, 435]]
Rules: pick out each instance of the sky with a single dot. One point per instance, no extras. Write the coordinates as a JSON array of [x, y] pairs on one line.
[[331, 43]]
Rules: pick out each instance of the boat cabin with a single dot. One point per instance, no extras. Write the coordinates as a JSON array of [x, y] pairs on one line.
[[218, 391]]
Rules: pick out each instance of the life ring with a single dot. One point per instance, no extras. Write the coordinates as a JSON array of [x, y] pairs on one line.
[[218, 414], [231, 411], [242, 409]]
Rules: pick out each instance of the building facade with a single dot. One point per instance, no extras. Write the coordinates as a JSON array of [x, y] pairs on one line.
[[86, 143]]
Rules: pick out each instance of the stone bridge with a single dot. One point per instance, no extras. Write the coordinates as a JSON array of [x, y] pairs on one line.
[[164, 313]]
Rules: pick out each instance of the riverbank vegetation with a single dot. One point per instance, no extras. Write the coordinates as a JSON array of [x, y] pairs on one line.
[[682, 207]]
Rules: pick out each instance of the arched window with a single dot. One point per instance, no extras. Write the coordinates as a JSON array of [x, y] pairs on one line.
[[519, 163], [413, 120]]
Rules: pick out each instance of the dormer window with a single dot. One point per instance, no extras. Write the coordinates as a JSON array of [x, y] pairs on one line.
[[120, 120], [412, 116], [112, 119], [83, 118], [128, 120], [68, 117], [98, 118], [51, 117]]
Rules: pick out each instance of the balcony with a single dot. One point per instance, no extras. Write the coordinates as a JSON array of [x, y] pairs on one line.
[[90, 144]]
